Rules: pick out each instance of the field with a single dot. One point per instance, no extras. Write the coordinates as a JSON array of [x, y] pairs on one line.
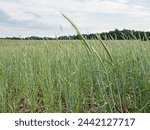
[[64, 76]]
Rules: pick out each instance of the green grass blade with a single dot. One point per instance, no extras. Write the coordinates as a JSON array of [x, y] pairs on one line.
[[78, 33], [106, 49]]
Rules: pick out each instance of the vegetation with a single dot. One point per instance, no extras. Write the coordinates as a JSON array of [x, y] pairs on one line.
[[62, 76], [124, 34], [76, 75]]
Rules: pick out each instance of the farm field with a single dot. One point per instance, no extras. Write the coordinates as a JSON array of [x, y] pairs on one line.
[[63, 76]]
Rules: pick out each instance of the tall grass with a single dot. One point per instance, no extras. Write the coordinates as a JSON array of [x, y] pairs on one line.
[[92, 50], [60, 76]]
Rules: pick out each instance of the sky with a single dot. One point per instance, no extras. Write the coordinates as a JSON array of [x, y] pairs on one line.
[[43, 18]]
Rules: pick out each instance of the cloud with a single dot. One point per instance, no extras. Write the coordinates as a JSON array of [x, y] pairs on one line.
[[39, 17], [33, 14], [3, 16]]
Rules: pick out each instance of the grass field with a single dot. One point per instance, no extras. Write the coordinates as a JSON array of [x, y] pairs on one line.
[[63, 76]]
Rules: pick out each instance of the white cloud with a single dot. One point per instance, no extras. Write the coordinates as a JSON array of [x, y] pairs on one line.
[[41, 16]]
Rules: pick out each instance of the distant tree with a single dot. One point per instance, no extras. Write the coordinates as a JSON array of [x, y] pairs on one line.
[[117, 34]]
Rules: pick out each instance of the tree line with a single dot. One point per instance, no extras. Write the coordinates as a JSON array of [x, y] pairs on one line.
[[117, 34]]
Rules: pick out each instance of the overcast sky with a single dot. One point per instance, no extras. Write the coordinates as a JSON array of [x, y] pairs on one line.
[[42, 17]]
